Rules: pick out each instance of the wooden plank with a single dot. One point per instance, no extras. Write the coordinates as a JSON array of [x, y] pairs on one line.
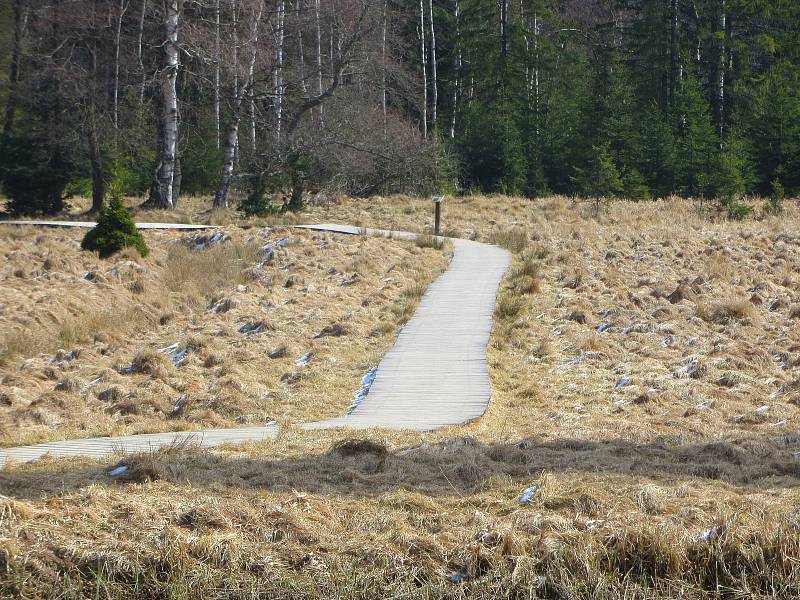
[[106, 446], [91, 224], [436, 374]]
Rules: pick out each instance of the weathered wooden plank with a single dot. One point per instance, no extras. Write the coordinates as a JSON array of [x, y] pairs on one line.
[[91, 224], [436, 374], [100, 447]]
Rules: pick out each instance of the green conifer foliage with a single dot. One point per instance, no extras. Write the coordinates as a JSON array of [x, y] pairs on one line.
[[601, 179], [114, 231], [697, 143]]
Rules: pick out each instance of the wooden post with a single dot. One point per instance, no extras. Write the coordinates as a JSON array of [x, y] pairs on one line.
[[437, 203]]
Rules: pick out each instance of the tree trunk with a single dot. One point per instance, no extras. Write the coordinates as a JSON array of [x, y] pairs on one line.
[[424, 59], [162, 192], [217, 61], [123, 7], [319, 57], [503, 28], [723, 27], [674, 56], [228, 162], [177, 180], [232, 136], [140, 54], [13, 71], [96, 160], [434, 78], [457, 83], [278, 73], [383, 66], [536, 32]]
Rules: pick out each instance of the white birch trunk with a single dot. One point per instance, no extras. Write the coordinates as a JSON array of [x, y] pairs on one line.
[[528, 77], [235, 35], [722, 65], [217, 65], [457, 82], [123, 7], [301, 55], [278, 73], [536, 31], [424, 59], [165, 174], [232, 135], [383, 67], [139, 51], [434, 78], [319, 56]]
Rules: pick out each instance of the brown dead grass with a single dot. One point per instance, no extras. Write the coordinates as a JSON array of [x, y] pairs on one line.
[[82, 317], [659, 473]]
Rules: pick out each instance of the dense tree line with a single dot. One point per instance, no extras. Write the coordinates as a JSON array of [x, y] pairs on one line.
[[269, 100]]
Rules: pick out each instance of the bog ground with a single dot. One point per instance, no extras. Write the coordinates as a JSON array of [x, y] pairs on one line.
[[644, 365]]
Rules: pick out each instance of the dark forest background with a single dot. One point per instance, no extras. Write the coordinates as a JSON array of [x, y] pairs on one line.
[[280, 99]]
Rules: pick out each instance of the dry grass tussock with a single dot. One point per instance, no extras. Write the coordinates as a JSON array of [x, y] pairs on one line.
[[656, 431]]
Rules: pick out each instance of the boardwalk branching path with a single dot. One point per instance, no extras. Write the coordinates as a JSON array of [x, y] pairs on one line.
[[435, 375]]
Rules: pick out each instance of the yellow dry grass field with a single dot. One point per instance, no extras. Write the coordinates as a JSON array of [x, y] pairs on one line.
[[198, 334], [641, 441]]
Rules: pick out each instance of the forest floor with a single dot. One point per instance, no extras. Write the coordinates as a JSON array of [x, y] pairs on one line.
[[644, 364]]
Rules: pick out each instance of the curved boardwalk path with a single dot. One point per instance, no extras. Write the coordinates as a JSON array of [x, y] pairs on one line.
[[435, 375]]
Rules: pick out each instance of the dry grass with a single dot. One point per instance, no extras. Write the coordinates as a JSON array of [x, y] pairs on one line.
[[203, 274], [726, 311], [659, 472], [429, 241], [113, 324], [514, 239]]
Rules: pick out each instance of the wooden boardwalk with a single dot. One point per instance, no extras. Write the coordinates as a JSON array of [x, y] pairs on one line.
[[436, 374], [106, 446], [91, 224]]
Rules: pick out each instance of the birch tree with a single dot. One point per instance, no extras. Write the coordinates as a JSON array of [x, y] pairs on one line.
[[232, 135], [161, 193], [424, 65], [457, 69], [434, 77], [278, 72]]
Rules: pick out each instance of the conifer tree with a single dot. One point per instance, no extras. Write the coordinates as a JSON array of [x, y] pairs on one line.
[[696, 142], [115, 230]]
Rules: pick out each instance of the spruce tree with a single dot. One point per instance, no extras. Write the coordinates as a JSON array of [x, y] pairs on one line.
[[775, 130], [115, 230], [697, 144]]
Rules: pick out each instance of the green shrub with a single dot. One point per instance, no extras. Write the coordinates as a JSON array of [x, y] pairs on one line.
[[737, 210], [256, 204], [114, 231], [635, 185]]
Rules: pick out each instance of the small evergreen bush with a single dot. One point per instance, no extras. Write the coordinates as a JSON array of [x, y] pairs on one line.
[[257, 204], [775, 201], [737, 210], [114, 231]]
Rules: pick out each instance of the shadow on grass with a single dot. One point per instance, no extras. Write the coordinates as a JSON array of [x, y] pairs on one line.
[[454, 466]]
